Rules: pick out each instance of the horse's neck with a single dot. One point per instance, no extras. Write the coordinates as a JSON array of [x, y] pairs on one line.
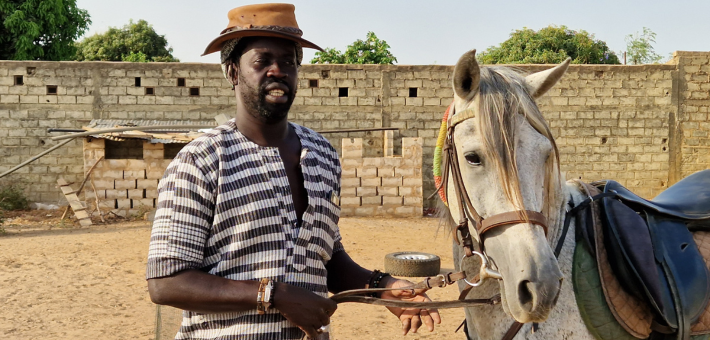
[[565, 321]]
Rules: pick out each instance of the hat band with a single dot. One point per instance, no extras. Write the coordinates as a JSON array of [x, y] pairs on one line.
[[281, 29]]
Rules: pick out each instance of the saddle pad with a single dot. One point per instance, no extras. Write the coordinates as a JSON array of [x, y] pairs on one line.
[[593, 307], [590, 298], [702, 240], [633, 314]]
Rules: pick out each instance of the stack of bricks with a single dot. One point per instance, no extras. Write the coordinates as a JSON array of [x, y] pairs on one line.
[[128, 187], [381, 186]]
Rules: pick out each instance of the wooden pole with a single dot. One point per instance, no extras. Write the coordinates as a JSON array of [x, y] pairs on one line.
[[87, 175], [35, 158], [132, 128]]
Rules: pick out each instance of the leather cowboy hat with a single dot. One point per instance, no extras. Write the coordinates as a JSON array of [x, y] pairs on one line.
[[262, 20]]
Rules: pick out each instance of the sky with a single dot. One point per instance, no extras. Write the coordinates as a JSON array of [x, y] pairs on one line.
[[421, 32]]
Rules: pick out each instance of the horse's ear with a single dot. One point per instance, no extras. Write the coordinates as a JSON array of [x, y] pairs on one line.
[[538, 83], [467, 75]]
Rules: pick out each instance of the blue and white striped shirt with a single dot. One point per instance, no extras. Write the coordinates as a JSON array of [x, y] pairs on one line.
[[225, 207]]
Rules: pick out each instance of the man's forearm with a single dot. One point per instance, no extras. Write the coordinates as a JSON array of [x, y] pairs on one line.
[[345, 274], [198, 291]]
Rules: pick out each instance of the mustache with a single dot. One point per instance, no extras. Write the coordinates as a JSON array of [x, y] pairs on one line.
[[272, 81]]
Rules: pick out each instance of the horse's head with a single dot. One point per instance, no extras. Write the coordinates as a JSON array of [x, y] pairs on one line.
[[508, 162]]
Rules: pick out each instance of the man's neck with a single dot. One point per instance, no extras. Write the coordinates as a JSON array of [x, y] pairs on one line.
[[261, 133]]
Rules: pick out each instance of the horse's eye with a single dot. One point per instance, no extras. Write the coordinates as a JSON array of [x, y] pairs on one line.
[[473, 158]]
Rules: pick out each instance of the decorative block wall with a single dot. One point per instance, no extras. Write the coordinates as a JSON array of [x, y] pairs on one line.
[[646, 126], [124, 186], [381, 186]]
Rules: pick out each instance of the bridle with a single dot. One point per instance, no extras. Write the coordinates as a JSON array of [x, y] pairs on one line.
[[467, 214]]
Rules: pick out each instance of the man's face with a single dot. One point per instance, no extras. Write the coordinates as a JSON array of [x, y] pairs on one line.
[[267, 78]]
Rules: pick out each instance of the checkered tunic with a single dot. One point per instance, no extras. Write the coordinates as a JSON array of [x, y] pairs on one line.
[[225, 207]]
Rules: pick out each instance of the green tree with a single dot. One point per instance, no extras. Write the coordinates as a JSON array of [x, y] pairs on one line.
[[372, 50], [40, 29], [550, 45], [640, 47], [136, 42]]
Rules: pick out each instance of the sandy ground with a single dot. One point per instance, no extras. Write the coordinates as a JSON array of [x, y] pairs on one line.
[[58, 281]]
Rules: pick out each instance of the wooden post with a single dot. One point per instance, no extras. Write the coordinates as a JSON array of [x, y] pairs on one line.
[[74, 203]]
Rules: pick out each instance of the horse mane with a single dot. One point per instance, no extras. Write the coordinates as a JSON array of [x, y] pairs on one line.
[[502, 96]]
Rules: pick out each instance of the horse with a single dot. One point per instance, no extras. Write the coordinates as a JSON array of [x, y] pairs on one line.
[[506, 162]]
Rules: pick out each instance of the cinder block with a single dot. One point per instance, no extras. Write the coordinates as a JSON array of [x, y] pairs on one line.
[[392, 181], [371, 182], [155, 174], [107, 183], [352, 182], [135, 164], [348, 163], [352, 148], [403, 171], [123, 203], [412, 148], [413, 201], [153, 154], [370, 201], [412, 181], [388, 191], [135, 194], [124, 184], [108, 174], [143, 204], [117, 163], [347, 211], [133, 174], [373, 161], [389, 201], [348, 192], [365, 211], [367, 172], [147, 184], [366, 191], [348, 173], [385, 171], [350, 201], [388, 143]]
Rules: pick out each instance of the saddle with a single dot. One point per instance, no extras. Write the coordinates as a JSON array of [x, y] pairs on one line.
[[655, 279]]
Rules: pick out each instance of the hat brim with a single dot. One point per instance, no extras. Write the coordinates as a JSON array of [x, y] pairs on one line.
[[216, 44]]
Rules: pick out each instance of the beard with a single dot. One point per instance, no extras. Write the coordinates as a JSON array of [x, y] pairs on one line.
[[254, 98]]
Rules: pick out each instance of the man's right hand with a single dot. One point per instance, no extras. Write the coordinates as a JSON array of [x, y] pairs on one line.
[[303, 307]]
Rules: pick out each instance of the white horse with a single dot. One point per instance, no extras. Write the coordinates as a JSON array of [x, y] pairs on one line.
[[509, 162]]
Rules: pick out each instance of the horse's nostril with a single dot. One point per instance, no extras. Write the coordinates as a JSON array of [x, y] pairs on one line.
[[525, 295]]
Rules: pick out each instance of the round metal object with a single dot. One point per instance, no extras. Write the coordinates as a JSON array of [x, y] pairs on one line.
[[485, 272]]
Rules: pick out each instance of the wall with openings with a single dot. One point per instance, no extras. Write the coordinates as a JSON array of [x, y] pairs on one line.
[[646, 126]]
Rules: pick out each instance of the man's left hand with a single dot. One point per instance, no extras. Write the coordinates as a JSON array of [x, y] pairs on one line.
[[411, 318]]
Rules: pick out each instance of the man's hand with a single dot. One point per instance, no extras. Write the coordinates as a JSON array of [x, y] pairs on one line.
[[412, 318], [304, 308]]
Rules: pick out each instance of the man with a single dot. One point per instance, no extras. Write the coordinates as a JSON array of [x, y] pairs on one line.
[[245, 237]]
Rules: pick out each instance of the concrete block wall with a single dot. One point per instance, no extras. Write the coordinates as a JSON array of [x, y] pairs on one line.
[[692, 136], [645, 126], [381, 186], [125, 186], [613, 122]]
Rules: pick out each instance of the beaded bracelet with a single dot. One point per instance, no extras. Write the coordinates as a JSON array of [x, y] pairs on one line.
[[375, 281]]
